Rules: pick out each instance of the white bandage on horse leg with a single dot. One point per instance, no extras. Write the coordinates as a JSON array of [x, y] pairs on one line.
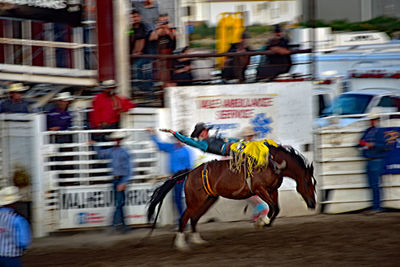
[[195, 238]]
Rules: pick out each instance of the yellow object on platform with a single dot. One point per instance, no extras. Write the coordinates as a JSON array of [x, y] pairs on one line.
[[254, 153], [229, 30]]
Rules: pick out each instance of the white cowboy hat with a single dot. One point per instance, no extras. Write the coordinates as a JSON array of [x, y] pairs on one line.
[[248, 131], [117, 136], [108, 84], [64, 96], [17, 87], [373, 116], [9, 195]]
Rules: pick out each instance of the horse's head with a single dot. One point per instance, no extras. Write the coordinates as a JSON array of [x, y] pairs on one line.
[[299, 170], [306, 186]]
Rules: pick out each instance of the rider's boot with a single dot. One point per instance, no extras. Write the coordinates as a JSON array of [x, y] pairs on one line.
[[278, 167]]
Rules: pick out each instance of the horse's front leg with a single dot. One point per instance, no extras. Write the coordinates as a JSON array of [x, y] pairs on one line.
[[274, 214], [264, 195]]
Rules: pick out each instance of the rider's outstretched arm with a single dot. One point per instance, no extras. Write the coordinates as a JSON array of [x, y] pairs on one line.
[[200, 144]]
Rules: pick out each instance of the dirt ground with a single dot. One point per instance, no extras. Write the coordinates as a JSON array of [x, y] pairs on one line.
[[321, 240]]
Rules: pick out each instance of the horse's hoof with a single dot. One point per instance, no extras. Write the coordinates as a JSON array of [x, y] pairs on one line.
[[263, 221], [180, 242], [195, 238]]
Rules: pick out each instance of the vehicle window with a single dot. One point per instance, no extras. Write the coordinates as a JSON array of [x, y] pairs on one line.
[[348, 104], [387, 102]]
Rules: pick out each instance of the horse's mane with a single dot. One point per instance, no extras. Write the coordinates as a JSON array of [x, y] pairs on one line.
[[303, 162]]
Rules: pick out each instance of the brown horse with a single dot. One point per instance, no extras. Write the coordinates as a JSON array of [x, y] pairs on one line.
[[206, 183]]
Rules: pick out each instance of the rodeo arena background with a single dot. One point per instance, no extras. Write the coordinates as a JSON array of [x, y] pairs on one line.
[[199, 133]]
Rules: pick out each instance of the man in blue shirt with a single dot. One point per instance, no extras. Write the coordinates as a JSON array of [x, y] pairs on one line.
[[15, 104], [121, 164], [180, 159], [373, 147], [15, 234]]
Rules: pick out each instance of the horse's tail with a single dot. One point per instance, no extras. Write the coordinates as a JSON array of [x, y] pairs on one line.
[[161, 191]]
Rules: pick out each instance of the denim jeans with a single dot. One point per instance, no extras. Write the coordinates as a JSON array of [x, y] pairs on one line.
[[374, 172], [119, 203], [143, 71], [10, 261], [178, 197]]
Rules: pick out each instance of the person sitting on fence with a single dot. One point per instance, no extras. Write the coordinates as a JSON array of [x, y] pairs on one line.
[[235, 66], [183, 69], [222, 146], [121, 164], [15, 233], [280, 61], [107, 109], [15, 104]]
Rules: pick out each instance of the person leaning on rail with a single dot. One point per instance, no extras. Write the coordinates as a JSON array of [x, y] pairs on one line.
[[16, 103]]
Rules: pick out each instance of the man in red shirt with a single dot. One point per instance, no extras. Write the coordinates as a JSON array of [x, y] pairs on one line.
[[108, 106]]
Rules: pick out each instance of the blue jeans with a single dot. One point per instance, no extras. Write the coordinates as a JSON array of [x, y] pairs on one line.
[[374, 172], [178, 198], [10, 261], [119, 203], [143, 71]]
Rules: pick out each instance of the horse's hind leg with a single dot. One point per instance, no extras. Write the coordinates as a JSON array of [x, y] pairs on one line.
[[194, 203], [195, 236], [180, 241]]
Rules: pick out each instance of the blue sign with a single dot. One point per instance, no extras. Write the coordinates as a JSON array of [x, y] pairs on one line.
[[392, 159], [189, 28]]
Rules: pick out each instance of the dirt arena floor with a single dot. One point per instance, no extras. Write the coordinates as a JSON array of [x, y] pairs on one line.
[[321, 240]]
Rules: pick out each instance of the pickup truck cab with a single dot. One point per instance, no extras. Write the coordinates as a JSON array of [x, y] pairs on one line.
[[355, 105]]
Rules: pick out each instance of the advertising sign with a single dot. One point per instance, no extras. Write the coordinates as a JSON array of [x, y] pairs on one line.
[[57, 11], [392, 160], [83, 207]]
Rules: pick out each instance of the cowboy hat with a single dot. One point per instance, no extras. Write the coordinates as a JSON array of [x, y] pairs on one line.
[[9, 195], [373, 116], [108, 84], [117, 136], [248, 131], [199, 128], [17, 87], [64, 96]]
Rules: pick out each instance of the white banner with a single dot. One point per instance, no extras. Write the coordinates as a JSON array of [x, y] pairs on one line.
[[89, 207]]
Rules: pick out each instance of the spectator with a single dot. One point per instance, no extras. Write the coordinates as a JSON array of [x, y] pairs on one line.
[[149, 12], [121, 164], [180, 159], [15, 234], [183, 69], [142, 67], [59, 118], [261, 209], [279, 61], [107, 108], [15, 104], [165, 36], [373, 147], [235, 67]]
